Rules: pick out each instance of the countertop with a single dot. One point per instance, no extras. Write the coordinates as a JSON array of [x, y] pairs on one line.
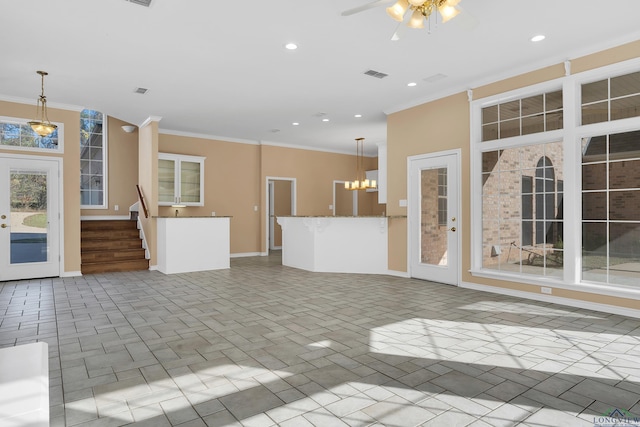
[[191, 216]]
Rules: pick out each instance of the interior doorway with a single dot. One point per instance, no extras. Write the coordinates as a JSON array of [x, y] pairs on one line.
[[281, 201], [345, 202]]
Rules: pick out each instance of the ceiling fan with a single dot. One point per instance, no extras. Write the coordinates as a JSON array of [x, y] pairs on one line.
[[366, 6], [421, 11]]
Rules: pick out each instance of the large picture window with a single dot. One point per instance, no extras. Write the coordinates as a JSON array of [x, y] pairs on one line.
[[92, 160], [611, 208], [610, 99], [522, 209], [532, 114], [527, 165]]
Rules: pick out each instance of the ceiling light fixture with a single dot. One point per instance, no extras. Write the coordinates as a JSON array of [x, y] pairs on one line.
[[412, 84], [357, 116], [291, 46], [41, 125], [423, 10], [361, 182], [538, 38]]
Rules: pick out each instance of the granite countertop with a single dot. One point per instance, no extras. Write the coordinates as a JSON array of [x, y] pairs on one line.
[[341, 216], [191, 216]]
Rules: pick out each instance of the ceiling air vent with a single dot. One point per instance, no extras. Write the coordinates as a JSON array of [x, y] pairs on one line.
[[376, 74], [145, 3], [140, 90], [434, 78]]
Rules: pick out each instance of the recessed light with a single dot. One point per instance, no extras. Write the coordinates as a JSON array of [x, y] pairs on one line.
[[295, 123], [358, 116], [291, 46], [537, 38], [325, 120], [412, 84]]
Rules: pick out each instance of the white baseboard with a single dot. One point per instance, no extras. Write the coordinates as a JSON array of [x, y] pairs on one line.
[[397, 273], [103, 217], [247, 254], [153, 268], [606, 308], [71, 274]]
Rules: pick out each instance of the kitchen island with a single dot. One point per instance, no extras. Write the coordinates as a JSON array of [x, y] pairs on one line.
[[349, 244], [187, 244]]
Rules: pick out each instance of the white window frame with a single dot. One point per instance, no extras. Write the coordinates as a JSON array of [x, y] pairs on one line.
[[59, 149], [571, 136], [105, 167]]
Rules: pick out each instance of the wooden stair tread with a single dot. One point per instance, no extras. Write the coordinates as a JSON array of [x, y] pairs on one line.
[[117, 266]]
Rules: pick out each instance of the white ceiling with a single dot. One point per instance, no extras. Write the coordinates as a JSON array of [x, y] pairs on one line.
[[219, 68]]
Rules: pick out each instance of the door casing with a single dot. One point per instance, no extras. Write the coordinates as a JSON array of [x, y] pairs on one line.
[[54, 266], [413, 222]]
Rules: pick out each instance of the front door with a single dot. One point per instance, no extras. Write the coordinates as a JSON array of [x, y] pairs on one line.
[[29, 219], [434, 223]]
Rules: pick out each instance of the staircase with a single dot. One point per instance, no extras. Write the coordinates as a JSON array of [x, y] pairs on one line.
[[111, 245]]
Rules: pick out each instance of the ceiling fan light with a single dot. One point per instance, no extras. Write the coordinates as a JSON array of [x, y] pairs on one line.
[[417, 20], [398, 10], [448, 12]]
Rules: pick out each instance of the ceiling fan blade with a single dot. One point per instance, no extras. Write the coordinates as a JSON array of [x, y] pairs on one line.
[[365, 7], [397, 33]]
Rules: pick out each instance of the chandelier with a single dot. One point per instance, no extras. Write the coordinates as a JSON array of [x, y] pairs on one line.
[[361, 182], [41, 125], [422, 10]]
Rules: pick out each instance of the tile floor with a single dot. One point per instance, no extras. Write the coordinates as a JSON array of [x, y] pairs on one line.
[[263, 345]]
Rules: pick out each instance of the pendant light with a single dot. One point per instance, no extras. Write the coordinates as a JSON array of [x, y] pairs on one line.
[[41, 125]]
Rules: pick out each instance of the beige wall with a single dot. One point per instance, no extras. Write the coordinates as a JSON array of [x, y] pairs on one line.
[[444, 124], [70, 173], [437, 126], [315, 172], [235, 183], [147, 179], [231, 185]]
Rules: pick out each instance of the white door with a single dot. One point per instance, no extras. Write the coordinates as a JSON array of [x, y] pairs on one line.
[[29, 218], [434, 224]]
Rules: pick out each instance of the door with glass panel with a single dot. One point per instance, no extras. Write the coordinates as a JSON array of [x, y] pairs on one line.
[[433, 217], [29, 219]]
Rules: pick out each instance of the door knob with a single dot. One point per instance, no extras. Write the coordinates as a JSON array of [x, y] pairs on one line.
[[452, 229], [3, 217], [3, 225]]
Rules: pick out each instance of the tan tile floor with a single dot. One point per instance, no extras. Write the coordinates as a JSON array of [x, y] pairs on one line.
[[263, 345]]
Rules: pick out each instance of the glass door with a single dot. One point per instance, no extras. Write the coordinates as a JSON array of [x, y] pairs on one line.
[[29, 223], [433, 218]]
